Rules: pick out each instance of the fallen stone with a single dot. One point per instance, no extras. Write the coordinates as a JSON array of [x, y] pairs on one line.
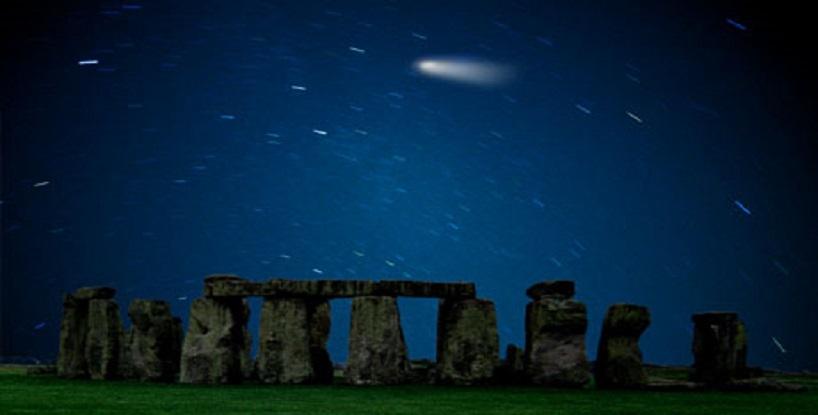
[[563, 289], [155, 342], [555, 343], [377, 351], [232, 286], [619, 359], [719, 347], [71, 362], [102, 346], [40, 370], [293, 339], [215, 349], [467, 341], [761, 385]]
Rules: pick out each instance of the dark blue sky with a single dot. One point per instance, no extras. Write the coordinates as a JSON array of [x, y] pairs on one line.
[[656, 154]]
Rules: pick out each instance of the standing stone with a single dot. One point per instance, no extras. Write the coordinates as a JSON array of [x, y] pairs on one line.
[[293, 337], [377, 351], [71, 361], [155, 341], [102, 341], [619, 360], [215, 349], [467, 343], [719, 347], [555, 342]]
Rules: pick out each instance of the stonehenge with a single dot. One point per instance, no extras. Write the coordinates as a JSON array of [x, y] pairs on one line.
[[619, 359], [467, 342], [555, 326], [719, 348], [295, 325], [90, 334]]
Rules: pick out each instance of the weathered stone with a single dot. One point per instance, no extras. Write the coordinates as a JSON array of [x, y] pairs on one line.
[[377, 351], [232, 286], [555, 343], [94, 293], [293, 337], [619, 359], [563, 289], [125, 355], [71, 361], [102, 342], [216, 345], [467, 341], [719, 347], [761, 385], [155, 341]]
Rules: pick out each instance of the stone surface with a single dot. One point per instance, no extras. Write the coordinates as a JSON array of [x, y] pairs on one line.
[[102, 346], [555, 343], [155, 341], [558, 288], [719, 347], [71, 361], [467, 341], [232, 286], [293, 337], [216, 347], [619, 359], [761, 385], [377, 351]]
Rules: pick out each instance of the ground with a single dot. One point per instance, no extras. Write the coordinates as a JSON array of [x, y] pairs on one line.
[[38, 394]]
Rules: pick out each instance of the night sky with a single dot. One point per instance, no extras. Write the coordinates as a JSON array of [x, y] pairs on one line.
[[658, 154]]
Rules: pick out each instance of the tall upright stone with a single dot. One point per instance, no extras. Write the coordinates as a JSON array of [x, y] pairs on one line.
[[555, 336], [293, 339], [102, 341], [216, 346], [88, 336], [719, 347], [377, 350], [155, 341], [619, 359], [468, 346], [71, 362]]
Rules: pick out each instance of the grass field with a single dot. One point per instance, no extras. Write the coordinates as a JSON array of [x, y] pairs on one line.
[[21, 393]]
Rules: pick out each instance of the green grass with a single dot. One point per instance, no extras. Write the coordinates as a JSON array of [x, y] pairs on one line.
[[21, 393]]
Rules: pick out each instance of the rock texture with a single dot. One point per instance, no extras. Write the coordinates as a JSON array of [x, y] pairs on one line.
[[102, 341], [377, 351], [719, 348], [293, 337], [619, 359], [232, 286], [216, 347], [90, 334], [555, 342], [559, 288], [155, 341], [467, 341]]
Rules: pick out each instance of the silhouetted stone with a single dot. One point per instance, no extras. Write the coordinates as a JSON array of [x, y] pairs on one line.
[[102, 341], [293, 337], [377, 351], [563, 289], [619, 360], [467, 341], [71, 361], [155, 341], [719, 347], [555, 342], [94, 293], [232, 286], [215, 349], [512, 369]]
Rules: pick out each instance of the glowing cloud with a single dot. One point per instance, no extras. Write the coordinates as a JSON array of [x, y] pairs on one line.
[[466, 70]]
